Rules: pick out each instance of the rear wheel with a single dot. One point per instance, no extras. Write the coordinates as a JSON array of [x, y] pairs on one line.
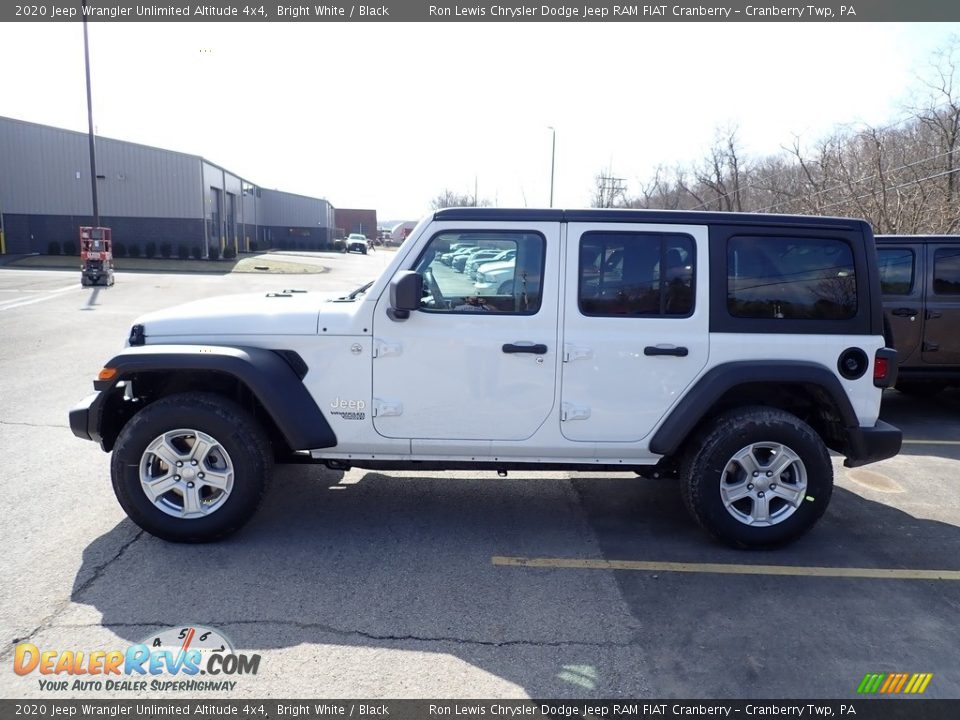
[[191, 467], [757, 477]]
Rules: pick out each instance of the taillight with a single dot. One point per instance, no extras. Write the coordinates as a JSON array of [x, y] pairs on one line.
[[881, 366], [885, 368]]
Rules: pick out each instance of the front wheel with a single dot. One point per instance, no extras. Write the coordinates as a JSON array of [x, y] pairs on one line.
[[757, 477], [191, 467]]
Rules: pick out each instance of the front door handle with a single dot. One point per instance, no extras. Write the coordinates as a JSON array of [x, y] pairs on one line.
[[904, 312], [539, 349], [652, 350]]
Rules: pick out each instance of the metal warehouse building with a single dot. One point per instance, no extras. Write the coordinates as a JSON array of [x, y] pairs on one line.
[[146, 195]]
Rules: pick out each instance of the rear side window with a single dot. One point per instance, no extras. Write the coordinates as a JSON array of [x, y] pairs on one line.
[[790, 278], [636, 274], [946, 271], [896, 271]]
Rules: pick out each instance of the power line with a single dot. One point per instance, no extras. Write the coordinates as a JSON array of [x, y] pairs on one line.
[[853, 182], [894, 187]]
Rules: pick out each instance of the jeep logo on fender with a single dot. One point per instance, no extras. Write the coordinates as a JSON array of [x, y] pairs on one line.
[[348, 409]]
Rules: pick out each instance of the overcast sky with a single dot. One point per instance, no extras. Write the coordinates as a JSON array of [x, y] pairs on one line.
[[386, 116]]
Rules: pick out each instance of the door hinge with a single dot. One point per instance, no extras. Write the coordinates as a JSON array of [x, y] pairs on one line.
[[382, 348], [386, 408], [574, 352], [569, 411]]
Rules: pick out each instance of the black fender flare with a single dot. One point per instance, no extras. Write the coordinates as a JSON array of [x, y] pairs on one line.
[[701, 398], [274, 377]]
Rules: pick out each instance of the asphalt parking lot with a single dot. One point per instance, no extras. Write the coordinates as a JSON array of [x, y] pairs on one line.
[[459, 585]]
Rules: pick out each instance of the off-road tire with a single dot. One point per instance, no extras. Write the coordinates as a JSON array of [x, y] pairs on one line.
[[225, 421], [710, 452]]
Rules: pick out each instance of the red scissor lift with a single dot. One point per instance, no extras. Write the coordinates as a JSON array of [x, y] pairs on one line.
[[96, 256]]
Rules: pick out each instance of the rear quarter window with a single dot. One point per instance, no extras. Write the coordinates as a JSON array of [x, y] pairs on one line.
[[896, 270], [946, 271], [784, 278]]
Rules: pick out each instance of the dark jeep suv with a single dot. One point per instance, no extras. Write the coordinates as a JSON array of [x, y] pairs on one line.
[[920, 281]]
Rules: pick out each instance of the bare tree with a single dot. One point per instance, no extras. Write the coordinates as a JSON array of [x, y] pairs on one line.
[[941, 116], [904, 178], [720, 175], [450, 198]]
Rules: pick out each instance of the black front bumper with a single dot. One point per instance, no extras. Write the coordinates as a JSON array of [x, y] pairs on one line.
[[871, 444], [85, 418]]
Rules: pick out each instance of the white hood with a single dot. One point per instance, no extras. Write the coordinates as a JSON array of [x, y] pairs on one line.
[[253, 314]]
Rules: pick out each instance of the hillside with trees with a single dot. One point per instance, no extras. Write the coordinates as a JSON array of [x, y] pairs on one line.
[[902, 178]]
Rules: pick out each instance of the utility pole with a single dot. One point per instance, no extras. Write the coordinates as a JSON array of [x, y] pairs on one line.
[[93, 149], [553, 157], [610, 189]]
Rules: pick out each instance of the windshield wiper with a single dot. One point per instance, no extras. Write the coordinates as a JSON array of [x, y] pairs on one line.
[[359, 291]]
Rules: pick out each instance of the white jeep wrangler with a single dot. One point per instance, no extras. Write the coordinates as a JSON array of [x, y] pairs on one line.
[[730, 351]]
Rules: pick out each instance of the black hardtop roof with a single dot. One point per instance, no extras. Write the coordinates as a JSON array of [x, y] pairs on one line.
[[917, 238], [662, 216]]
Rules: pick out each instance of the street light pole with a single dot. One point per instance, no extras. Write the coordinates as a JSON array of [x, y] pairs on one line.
[[93, 151], [553, 155]]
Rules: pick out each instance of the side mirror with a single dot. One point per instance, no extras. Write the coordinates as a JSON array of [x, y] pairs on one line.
[[406, 292]]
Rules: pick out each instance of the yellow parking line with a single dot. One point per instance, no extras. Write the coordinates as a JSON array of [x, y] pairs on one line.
[[931, 442], [727, 569]]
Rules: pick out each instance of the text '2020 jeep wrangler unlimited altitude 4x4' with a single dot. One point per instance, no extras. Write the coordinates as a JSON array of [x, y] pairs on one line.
[[730, 350]]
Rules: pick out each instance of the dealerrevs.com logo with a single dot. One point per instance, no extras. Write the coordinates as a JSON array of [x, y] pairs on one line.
[[188, 659]]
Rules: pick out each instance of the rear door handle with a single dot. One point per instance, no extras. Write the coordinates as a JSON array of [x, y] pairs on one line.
[[905, 312], [652, 350], [539, 349]]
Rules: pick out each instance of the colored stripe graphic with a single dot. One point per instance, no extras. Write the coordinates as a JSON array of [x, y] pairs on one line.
[[865, 683], [894, 683]]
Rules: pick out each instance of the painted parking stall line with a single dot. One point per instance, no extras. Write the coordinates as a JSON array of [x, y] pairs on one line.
[[47, 295], [727, 569]]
